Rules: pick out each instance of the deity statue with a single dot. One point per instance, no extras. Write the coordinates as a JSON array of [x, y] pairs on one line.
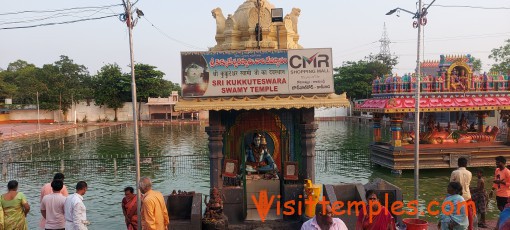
[[375, 85], [463, 123], [388, 82], [213, 216], [405, 83], [440, 83], [456, 81], [431, 124], [258, 158], [463, 79], [439, 127], [472, 128]]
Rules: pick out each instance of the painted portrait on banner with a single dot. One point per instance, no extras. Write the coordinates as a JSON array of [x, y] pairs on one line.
[[195, 75]]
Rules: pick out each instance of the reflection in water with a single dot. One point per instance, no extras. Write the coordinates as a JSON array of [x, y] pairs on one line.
[[192, 174]]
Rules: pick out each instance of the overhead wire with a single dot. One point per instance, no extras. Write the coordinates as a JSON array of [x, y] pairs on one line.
[[173, 39], [58, 23], [456, 37], [58, 10], [55, 16], [473, 7]]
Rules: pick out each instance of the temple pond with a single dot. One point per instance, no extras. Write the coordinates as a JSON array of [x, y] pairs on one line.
[[191, 173]]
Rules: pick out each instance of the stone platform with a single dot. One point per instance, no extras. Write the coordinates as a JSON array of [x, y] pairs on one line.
[[439, 155]]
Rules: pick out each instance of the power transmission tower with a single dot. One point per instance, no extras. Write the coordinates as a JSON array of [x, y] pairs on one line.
[[385, 43]]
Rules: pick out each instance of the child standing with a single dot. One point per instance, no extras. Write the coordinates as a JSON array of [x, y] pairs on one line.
[[481, 199]]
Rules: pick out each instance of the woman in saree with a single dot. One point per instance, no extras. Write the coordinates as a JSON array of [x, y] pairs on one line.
[[129, 208], [451, 218], [382, 221], [15, 208]]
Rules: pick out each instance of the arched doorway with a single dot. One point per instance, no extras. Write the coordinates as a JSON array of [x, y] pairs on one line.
[[460, 70]]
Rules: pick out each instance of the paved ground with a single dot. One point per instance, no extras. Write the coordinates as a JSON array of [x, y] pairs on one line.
[[19, 130], [491, 224]]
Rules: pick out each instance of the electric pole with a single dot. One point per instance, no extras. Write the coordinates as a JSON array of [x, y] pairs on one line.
[[129, 22]]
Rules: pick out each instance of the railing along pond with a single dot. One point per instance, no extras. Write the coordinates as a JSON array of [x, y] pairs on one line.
[[332, 162], [11, 154]]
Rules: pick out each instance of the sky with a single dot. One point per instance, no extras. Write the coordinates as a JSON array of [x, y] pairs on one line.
[[352, 28]]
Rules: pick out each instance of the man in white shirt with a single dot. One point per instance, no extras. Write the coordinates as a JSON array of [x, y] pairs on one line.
[[323, 220], [52, 207], [47, 189], [75, 211], [463, 176]]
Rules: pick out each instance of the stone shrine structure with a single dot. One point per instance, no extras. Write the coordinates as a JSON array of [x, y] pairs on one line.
[[238, 31], [284, 121]]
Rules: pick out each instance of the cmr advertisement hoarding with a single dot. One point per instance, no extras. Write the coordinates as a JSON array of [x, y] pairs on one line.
[[257, 72]]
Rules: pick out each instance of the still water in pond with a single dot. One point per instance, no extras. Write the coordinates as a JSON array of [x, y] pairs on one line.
[[106, 187]]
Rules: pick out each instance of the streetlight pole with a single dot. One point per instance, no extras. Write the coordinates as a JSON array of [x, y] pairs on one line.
[[417, 115], [421, 20], [129, 22]]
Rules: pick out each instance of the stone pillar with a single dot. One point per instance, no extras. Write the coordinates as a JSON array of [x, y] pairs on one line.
[[396, 130], [215, 131], [481, 121], [307, 129], [377, 127]]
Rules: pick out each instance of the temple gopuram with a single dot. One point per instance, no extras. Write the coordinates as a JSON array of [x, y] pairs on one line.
[[261, 102], [455, 103]]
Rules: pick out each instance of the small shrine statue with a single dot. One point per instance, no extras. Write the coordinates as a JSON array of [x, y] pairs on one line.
[[413, 82], [258, 158], [463, 123], [472, 128], [463, 79], [456, 82], [431, 124], [388, 82], [213, 216], [439, 127], [440, 83], [375, 85], [405, 83]]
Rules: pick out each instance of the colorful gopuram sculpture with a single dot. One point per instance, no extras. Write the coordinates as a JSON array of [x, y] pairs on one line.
[[449, 84]]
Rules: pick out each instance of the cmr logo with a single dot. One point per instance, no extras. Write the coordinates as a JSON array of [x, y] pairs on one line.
[[317, 61]]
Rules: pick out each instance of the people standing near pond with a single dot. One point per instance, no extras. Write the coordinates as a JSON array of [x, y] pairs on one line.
[[382, 221], [501, 183], [480, 197], [323, 219], [15, 208], [129, 208], [47, 189], [457, 219], [504, 218], [464, 176], [75, 211], [154, 212], [52, 207]]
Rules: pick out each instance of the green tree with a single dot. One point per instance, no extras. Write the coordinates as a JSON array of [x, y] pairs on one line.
[[65, 84], [149, 83], [477, 64], [22, 82], [7, 90], [388, 62], [111, 87], [502, 56], [355, 78]]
